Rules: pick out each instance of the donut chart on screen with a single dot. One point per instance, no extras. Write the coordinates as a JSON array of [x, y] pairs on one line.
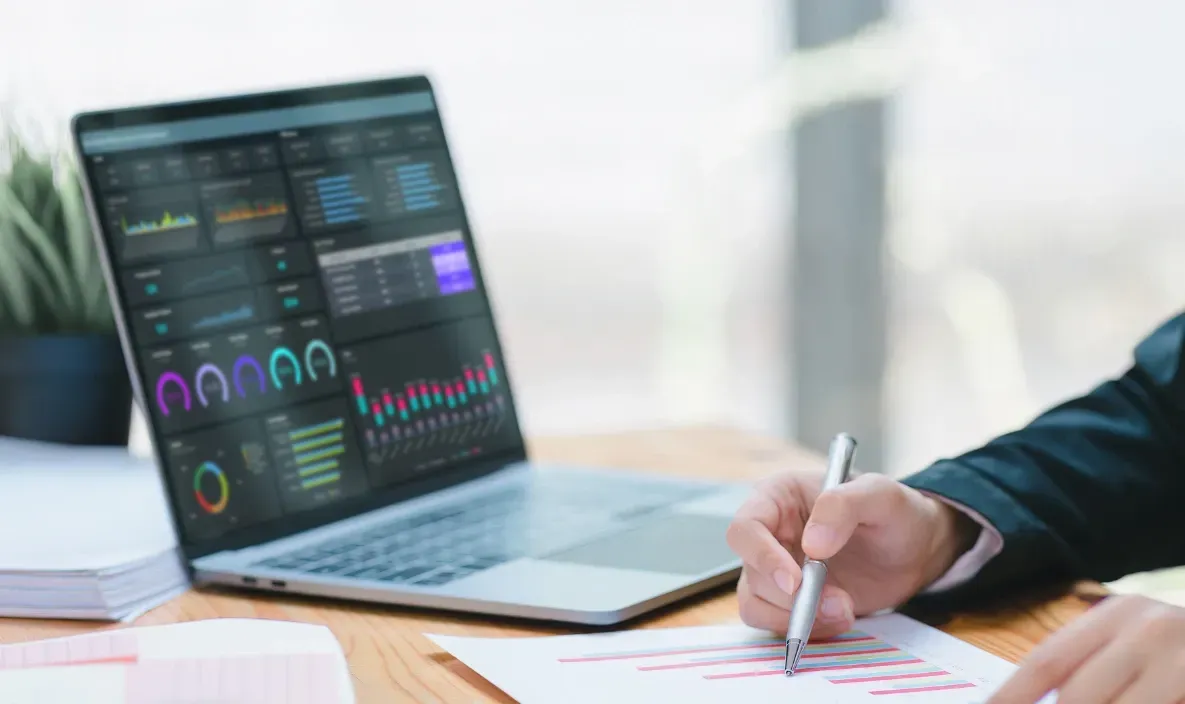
[[217, 505], [245, 362], [279, 354], [204, 371], [162, 384], [315, 346]]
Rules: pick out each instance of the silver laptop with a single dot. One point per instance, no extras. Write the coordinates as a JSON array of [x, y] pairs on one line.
[[306, 324]]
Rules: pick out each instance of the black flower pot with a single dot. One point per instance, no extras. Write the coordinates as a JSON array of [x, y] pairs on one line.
[[65, 388]]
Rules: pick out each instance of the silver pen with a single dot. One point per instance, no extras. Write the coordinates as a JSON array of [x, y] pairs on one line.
[[814, 572]]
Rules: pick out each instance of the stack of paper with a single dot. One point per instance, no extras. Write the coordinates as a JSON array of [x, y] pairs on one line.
[[85, 533], [222, 660]]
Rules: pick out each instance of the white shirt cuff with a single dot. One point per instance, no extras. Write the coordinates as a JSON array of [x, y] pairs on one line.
[[987, 546]]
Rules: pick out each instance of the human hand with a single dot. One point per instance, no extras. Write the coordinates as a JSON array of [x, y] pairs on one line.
[[1126, 650], [883, 542]]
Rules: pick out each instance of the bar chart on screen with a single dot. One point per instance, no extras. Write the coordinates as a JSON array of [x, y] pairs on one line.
[[888, 658]]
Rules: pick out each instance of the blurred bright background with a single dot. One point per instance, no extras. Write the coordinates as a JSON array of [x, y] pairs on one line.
[[627, 166]]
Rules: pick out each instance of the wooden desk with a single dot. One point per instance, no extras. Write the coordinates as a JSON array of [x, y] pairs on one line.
[[391, 660]]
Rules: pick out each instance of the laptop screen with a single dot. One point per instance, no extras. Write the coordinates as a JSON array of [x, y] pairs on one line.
[[301, 297]]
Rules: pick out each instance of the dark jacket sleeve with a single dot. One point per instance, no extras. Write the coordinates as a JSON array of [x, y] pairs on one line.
[[1091, 489]]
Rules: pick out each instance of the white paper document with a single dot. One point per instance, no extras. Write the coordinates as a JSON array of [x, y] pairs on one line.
[[886, 659], [220, 660], [69, 508]]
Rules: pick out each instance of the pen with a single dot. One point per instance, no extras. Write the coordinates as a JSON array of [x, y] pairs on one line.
[[814, 572]]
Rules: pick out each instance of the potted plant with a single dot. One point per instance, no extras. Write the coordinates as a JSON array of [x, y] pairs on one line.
[[62, 373]]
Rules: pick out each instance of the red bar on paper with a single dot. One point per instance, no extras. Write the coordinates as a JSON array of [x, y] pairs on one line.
[[358, 387], [709, 663], [916, 690], [468, 374], [423, 389], [386, 398], [481, 375], [411, 391], [400, 403], [460, 388], [754, 673], [378, 410], [489, 360], [435, 389], [665, 653], [887, 678]]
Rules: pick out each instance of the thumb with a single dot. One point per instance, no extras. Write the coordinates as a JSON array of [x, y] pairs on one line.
[[871, 499]]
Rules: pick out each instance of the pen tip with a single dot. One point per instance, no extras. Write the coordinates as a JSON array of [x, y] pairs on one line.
[[794, 649]]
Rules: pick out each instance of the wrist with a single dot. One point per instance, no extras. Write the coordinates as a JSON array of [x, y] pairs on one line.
[[953, 534]]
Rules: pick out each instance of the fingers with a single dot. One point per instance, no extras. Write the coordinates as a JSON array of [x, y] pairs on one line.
[[1163, 683], [871, 499], [763, 605], [751, 537], [1052, 662], [764, 587], [758, 612], [836, 614], [1107, 673]]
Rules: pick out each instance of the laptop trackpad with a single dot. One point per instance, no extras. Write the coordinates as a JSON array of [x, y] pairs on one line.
[[673, 543]]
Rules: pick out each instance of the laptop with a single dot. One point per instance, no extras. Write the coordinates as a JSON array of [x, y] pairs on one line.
[[301, 304]]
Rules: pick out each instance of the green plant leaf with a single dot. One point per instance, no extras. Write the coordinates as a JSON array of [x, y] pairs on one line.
[[40, 241], [14, 282], [51, 279]]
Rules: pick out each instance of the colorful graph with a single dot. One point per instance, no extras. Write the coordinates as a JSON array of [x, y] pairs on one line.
[[241, 210], [418, 399], [211, 506], [245, 220], [855, 659], [316, 451], [167, 223], [424, 412]]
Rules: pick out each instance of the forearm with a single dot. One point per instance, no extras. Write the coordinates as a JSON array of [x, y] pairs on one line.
[[1089, 489]]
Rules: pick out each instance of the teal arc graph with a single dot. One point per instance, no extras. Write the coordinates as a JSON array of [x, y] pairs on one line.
[[471, 385], [284, 366], [854, 660]]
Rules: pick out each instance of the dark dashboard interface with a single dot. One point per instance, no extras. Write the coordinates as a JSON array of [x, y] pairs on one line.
[[301, 291]]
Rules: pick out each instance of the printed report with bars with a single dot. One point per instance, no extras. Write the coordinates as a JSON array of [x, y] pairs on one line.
[[885, 659]]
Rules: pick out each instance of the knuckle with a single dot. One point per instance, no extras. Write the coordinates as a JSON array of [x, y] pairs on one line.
[[744, 588], [1155, 623], [734, 536], [750, 611], [1133, 602], [874, 481], [1042, 659], [830, 505]]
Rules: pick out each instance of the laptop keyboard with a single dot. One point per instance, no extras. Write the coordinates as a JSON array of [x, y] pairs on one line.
[[445, 544]]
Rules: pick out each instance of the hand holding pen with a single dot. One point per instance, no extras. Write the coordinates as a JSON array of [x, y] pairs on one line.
[[814, 572], [882, 542]]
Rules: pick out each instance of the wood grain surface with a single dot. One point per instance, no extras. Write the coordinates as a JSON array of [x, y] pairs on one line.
[[391, 660]]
